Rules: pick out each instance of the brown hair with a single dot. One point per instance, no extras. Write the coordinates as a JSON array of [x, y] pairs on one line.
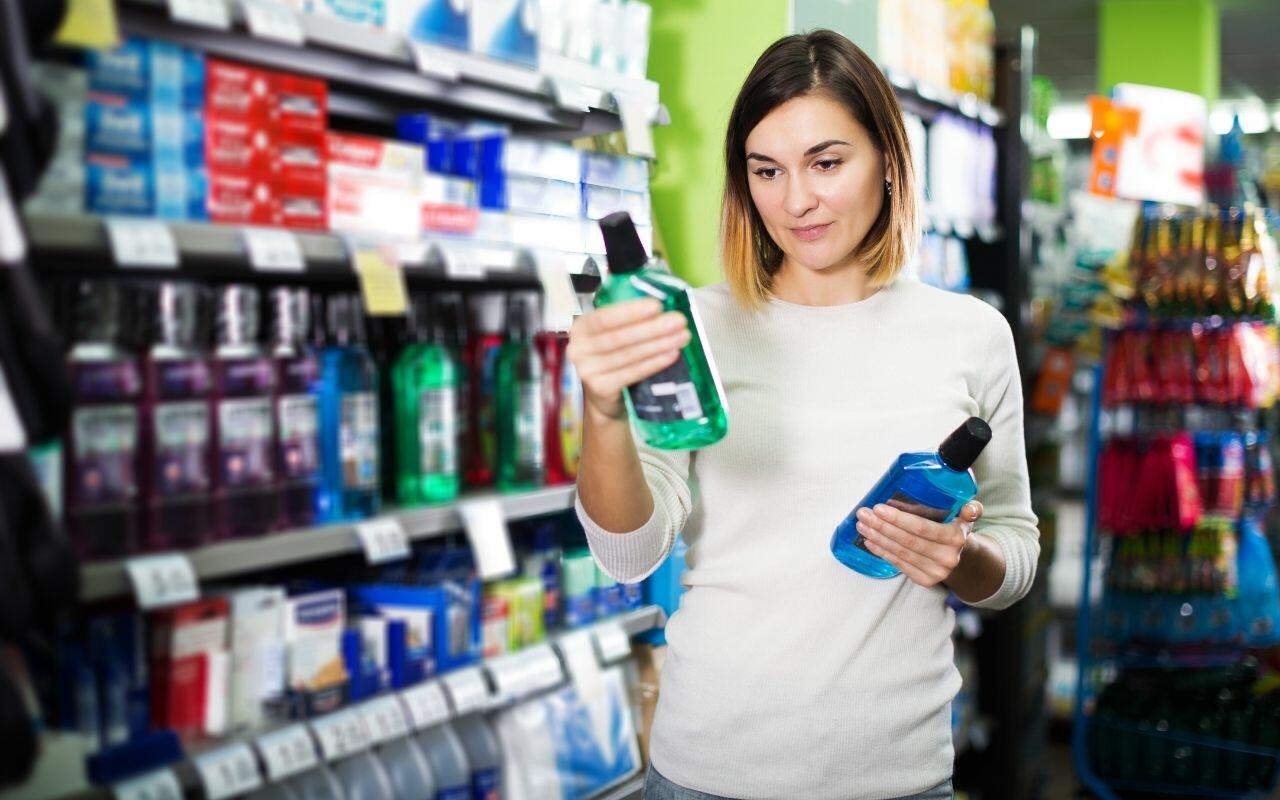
[[824, 62]]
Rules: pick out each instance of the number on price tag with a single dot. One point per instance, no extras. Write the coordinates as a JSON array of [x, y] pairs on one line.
[[435, 63], [273, 250], [384, 719], [142, 243], [427, 704], [208, 13], [490, 540], [158, 785], [340, 734], [637, 123], [270, 19], [287, 752], [612, 641], [468, 690], [383, 540], [162, 580], [228, 772]]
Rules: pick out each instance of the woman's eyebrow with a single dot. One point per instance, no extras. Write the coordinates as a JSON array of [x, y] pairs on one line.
[[819, 147], [759, 157]]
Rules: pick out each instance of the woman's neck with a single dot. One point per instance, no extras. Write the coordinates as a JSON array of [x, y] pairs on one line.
[[836, 285]]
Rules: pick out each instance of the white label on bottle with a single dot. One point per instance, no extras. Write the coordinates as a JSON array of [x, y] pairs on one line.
[[467, 690], [437, 431], [358, 440], [273, 250], [208, 13], [383, 540], [486, 526], [163, 580], [529, 425], [159, 785], [385, 719], [141, 243], [287, 751], [427, 704], [298, 418], [269, 19], [244, 420], [228, 772], [612, 641], [340, 734]]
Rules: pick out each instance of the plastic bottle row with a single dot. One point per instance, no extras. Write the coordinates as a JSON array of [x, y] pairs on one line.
[[191, 426]]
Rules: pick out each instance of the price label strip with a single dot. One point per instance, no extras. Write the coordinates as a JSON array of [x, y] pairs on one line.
[[273, 250], [145, 243], [340, 734], [612, 641], [385, 719], [270, 19], [159, 785], [462, 263], [427, 704], [287, 751], [637, 123], [163, 580], [525, 672], [383, 540], [206, 13], [486, 526], [228, 772], [468, 690]]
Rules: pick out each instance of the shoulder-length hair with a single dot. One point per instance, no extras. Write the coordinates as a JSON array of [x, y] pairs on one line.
[[826, 63]]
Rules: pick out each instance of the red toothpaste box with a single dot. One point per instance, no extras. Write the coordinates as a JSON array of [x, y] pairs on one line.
[[300, 203], [246, 198], [299, 104], [238, 144], [188, 649], [235, 90]]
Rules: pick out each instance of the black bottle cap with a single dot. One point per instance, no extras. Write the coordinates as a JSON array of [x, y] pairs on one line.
[[100, 309], [622, 243], [965, 444]]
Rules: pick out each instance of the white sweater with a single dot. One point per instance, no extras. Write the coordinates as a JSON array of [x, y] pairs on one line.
[[789, 675]]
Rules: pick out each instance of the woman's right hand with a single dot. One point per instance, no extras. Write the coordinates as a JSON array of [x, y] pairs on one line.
[[618, 345]]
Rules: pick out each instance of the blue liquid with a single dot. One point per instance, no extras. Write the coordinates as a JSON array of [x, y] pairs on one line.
[[917, 482], [348, 421]]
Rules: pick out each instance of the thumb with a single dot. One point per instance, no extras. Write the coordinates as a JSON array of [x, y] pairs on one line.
[[972, 511]]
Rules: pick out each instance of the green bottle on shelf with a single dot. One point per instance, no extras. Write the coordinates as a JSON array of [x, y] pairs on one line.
[[521, 455], [683, 406], [424, 380]]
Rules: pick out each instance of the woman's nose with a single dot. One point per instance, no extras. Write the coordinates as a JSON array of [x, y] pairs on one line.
[[799, 200]]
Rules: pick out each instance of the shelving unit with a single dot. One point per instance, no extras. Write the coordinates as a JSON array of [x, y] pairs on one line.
[[630, 790], [923, 97]]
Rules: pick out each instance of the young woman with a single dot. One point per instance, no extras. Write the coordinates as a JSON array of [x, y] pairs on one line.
[[789, 675]]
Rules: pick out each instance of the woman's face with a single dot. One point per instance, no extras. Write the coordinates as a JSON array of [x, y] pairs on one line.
[[816, 179]]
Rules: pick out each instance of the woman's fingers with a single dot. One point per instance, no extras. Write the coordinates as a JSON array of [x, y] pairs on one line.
[[613, 361], [612, 340], [620, 379]]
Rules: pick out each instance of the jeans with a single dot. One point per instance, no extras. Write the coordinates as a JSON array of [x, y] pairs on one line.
[[657, 787]]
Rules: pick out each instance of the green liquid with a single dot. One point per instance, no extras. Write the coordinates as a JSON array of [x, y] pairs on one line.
[[682, 407], [521, 455], [425, 381]]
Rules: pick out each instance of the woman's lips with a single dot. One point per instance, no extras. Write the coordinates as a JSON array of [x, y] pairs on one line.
[[810, 233]]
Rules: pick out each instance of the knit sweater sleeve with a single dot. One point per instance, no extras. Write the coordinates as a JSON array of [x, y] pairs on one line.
[[631, 556], [1001, 472]]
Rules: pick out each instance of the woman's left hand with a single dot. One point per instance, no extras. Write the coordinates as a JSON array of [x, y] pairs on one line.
[[927, 552]]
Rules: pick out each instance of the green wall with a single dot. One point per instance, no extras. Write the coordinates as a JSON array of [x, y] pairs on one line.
[[1169, 43], [700, 52]]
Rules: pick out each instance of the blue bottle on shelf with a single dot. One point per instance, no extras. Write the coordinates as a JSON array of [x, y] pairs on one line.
[[932, 485], [348, 412]]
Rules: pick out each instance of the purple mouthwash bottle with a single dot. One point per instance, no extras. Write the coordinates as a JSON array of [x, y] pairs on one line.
[[297, 442]]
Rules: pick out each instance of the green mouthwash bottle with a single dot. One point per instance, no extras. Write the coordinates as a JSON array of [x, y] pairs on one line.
[[518, 396], [424, 381], [683, 406]]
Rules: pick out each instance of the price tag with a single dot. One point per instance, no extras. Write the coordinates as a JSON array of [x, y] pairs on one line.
[[384, 719], [969, 105], [963, 229], [383, 540], [90, 24], [228, 772], [989, 115], [340, 734], [527, 671], [435, 63], [487, 532], [287, 751], [573, 96], [162, 580], [273, 250], [560, 303], [467, 690], [637, 123], [582, 664], [927, 92], [142, 243], [208, 13], [13, 243], [381, 283], [158, 785], [427, 704], [612, 641], [270, 19], [462, 264]]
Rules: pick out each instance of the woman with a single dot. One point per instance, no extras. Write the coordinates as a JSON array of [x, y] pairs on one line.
[[789, 675]]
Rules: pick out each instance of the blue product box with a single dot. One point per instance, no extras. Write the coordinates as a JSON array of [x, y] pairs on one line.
[[442, 22], [423, 610], [148, 70], [118, 126], [531, 195], [459, 630], [519, 155], [434, 134], [124, 70], [177, 76], [119, 185], [361, 12], [615, 171], [580, 609], [180, 191], [600, 201], [177, 136], [506, 30]]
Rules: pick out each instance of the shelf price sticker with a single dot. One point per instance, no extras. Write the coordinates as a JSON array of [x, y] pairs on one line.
[[530, 670], [159, 785], [381, 282], [612, 641], [206, 13], [273, 250], [146, 243], [434, 63], [462, 263], [573, 96], [426, 703], [162, 580], [383, 540], [287, 751], [486, 526], [340, 734], [561, 304], [385, 720], [467, 690], [636, 115], [228, 772], [271, 19]]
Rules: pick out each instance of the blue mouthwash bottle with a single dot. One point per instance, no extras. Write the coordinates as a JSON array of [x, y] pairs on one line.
[[931, 485], [348, 412]]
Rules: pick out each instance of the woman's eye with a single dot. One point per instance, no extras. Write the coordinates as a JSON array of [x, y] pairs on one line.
[[826, 165], [768, 173]]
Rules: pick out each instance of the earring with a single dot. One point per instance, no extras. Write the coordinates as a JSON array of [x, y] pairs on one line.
[[888, 188]]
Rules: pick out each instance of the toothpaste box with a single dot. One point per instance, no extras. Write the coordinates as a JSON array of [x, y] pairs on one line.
[[148, 70], [520, 155], [387, 159], [119, 185], [241, 198], [181, 192], [435, 135], [114, 124], [238, 144], [188, 667], [438, 22], [617, 171], [300, 203], [299, 104], [359, 12], [506, 30], [531, 195], [234, 90], [600, 201]]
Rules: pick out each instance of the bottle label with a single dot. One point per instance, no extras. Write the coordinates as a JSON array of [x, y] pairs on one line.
[[570, 418], [358, 440], [182, 446], [106, 441], [437, 431], [487, 434], [485, 785], [668, 396], [182, 378], [299, 453], [454, 793], [106, 381], [529, 428], [244, 440], [905, 502], [247, 377]]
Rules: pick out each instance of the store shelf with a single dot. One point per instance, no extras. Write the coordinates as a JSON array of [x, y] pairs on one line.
[[632, 789], [988, 232], [923, 96], [108, 579], [78, 245], [375, 75]]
